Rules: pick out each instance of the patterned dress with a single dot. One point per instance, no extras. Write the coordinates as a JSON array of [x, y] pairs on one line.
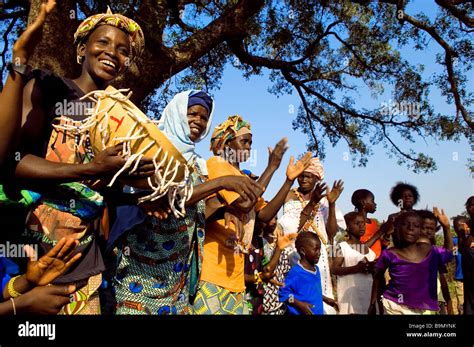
[[160, 263], [254, 262], [271, 301]]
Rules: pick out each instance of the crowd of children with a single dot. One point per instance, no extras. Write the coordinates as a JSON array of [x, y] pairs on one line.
[[226, 252]]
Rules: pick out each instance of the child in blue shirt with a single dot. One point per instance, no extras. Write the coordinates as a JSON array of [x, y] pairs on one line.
[[302, 291]]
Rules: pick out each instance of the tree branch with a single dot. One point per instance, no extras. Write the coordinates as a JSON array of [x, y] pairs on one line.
[[17, 14], [342, 110], [456, 12], [84, 8], [163, 62], [5, 47], [448, 59], [231, 24], [237, 47]]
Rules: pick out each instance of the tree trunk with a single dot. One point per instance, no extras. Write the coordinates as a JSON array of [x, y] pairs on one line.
[[56, 50]]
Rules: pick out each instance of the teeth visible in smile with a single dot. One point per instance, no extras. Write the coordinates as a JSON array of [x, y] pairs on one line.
[[108, 63]]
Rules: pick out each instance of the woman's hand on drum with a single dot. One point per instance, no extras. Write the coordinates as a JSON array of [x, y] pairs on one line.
[[26, 43], [145, 169], [108, 162]]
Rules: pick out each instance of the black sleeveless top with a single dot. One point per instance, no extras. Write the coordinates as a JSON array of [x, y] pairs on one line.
[[60, 96]]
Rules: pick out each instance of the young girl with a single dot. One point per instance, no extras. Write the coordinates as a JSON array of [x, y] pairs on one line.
[[404, 196], [353, 266], [364, 203], [413, 269]]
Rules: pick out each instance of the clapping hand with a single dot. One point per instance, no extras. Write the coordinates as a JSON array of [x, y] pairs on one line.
[[294, 170], [333, 194], [275, 155]]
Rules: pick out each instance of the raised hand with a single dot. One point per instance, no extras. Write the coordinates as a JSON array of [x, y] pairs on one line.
[[275, 155], [318, 192], [52, 265], [387, 227], [441, 217], [26, 43], [109, 161], [294, 170], [336, 191]]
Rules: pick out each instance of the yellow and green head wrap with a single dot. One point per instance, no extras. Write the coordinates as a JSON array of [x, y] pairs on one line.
[[234, 126], [135, 33]]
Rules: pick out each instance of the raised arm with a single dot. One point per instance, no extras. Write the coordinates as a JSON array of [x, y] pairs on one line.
[[444, 221], [385, 228], [332, 196], [274, 160], [11, 98], [283, 241], [292, 172]]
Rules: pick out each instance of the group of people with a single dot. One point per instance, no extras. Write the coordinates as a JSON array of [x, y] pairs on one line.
[[101, 249]]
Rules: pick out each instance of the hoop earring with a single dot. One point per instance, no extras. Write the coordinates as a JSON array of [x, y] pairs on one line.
[[79, 59]]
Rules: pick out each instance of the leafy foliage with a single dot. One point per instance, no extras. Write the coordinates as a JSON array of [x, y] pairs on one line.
[[325, 51]]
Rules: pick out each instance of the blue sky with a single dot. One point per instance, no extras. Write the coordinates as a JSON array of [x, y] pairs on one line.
[[448, 187]]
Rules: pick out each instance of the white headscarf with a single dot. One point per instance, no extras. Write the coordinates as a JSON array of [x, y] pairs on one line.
[[174, 123]]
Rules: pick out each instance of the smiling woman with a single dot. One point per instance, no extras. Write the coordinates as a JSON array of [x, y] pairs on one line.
[[53, 164]]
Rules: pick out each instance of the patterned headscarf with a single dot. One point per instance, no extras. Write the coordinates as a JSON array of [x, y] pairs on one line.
[[129, 26], [316, 168], [234, 126]]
